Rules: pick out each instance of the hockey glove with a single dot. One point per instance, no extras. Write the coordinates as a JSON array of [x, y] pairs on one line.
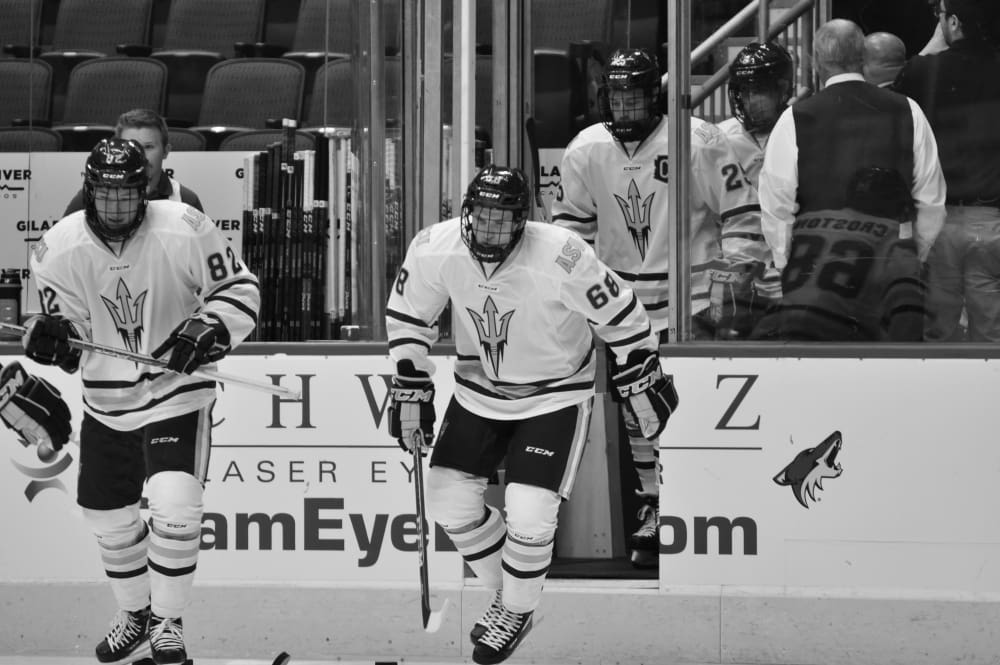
[[35, 409], [731, 300], [412, 408], [46, 341], [648, 394], [199, 340]]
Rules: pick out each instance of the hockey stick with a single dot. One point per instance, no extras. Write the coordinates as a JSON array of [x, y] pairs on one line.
[[211, 374], [282, 659], [529, 130], [432, 618]]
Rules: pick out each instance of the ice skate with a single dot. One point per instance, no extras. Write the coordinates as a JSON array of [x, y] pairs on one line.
[[644, 542], [489, 617], [501, 638], [126, 641], [166, 640]]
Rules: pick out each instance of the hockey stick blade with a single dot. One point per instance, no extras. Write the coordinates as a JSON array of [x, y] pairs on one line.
[[211, 374], [282, 659], [432, 618]]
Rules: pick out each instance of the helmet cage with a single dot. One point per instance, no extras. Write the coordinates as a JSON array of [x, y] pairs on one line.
[[631, 70], [760, 71], [116, 164], [494, 213]]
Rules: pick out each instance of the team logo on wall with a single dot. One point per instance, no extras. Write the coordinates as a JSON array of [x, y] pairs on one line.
[[127, 315], [44, 477], [492, 332], [805, 473], [635, 210]]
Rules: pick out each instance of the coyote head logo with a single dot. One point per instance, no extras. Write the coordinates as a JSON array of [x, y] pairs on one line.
[[806, 472]]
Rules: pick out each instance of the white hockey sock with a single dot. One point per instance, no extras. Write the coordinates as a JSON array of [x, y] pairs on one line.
[[646, 459], [525, 565], [128, 573], [480, 545], [171, 564]]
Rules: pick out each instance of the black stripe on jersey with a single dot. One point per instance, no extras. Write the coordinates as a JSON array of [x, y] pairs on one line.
[[633, 339], [237, 282], [403, 341], [565, 216], [406, 318], [488, 551], [524, 574], [744, 235], [145, 376], [238, 304], [643, 277], [588, 357], [172, 572], [628, 309], [483, 390], [653, 306], [187, 388], [753, 207], [126, 574], [462, 356]]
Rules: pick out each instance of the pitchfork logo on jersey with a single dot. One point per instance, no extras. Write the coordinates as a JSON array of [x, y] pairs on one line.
[[492, 333], [636, 215], [127, 315]]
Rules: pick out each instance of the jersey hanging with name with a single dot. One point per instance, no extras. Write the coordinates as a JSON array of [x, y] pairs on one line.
[[619, 202], [850, 277], [176, 264], [523, 334]]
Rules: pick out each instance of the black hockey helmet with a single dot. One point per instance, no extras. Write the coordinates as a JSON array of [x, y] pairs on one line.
[[765, 70], [881, 192], [628, 70], [495, 211], [118, 165]]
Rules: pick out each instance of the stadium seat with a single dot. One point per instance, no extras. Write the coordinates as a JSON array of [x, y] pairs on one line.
[[260, 139], [20, 27], [87, 29], [101, 89], [332, 101], [29, 139], [198, 35], [27, 91], [182, 139], [247, 93]]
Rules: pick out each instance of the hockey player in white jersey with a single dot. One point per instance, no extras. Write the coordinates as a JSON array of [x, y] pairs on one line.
[[527, 298], [614, 193], [760, 88], [148, 277]]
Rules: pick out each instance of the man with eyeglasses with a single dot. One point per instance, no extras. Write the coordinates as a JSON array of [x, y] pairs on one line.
[[959, 91]]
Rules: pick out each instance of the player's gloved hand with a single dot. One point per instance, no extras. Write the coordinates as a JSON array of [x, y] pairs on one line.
[[649, 395], [46, 341], [412, 407], [731, 299], [199, 340], [34, 408]]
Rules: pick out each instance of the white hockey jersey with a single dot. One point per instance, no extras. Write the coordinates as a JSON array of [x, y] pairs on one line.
[[523, 334], [176, 263], [620, 202], [749, 150]]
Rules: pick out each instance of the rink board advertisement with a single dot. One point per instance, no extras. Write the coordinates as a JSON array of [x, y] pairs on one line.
[[35, 189], [835, 472], [309, 491], [861, 474]]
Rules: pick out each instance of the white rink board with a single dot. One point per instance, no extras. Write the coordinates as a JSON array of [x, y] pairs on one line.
[[912, 509], [334, 489]]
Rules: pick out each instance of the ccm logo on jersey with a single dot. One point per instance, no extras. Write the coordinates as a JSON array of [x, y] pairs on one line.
[[163, 439], [539, 451]]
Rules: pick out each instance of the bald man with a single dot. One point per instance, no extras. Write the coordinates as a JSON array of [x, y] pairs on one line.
[[885, 55]]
